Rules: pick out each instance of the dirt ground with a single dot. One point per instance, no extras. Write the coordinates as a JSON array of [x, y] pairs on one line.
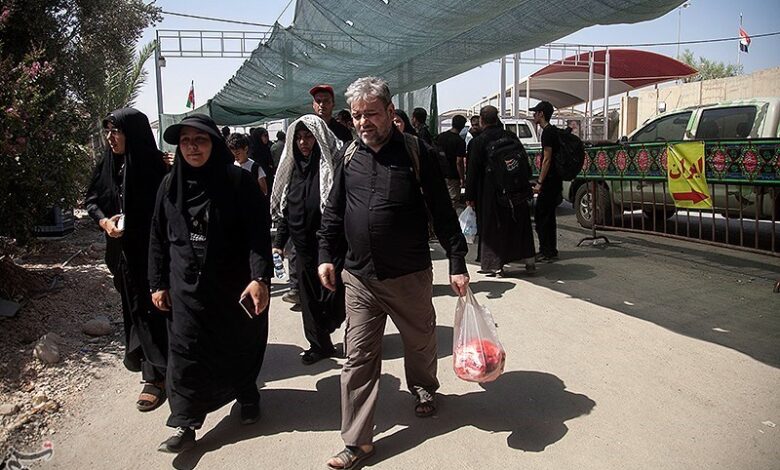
[[66, 283]]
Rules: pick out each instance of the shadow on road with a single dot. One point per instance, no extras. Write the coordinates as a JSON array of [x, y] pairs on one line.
[[532, 407], [282, 361], [712, 294], [493, 289]]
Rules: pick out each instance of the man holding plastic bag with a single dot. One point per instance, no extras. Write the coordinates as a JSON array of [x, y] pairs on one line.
[[381, 188]]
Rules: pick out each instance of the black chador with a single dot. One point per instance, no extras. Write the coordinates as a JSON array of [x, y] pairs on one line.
[[505, 234], [323, 310], [210, 239], [128, 184]]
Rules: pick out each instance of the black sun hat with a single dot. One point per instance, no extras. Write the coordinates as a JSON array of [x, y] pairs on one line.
[[198, 121]]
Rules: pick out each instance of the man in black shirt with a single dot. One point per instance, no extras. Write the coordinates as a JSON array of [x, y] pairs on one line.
[[323, 104], [548, 187], [452, 157], [381, 187]]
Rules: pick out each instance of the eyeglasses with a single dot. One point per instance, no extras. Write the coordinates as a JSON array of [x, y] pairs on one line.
[[113, 131]]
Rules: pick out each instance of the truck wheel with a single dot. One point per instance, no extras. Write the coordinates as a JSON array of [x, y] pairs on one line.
[[584, 209]]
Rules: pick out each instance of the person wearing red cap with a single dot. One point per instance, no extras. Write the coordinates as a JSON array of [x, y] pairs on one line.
[[323, 104]]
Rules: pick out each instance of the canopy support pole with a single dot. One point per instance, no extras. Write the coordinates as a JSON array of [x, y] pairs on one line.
[[589, 104], [606, 94], [158, 78], [502, 89], [515, 87]]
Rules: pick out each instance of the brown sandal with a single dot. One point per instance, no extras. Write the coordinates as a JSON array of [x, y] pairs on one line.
[[151, 397], [350, 457]]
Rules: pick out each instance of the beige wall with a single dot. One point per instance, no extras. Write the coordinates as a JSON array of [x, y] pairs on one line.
[[764, 83]]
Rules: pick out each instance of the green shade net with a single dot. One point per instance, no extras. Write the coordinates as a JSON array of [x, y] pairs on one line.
[[410, 43]]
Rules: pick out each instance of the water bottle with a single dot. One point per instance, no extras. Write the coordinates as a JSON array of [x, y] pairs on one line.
[[278, 266]]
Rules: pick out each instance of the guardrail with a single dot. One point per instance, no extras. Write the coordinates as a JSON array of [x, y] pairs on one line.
[[624, 187]]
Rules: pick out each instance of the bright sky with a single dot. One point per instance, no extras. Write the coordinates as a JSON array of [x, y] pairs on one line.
[[702, 19]]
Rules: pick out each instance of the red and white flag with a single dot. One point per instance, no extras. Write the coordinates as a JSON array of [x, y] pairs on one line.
[[744, 40]]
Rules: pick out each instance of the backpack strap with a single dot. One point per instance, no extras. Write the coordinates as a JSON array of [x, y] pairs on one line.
[[350, 152], [412, 144]]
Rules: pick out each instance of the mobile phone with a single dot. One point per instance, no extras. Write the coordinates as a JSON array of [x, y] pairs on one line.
[[248, 305], [120, 223]]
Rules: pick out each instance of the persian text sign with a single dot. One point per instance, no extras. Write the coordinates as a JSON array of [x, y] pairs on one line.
[[687, 181]]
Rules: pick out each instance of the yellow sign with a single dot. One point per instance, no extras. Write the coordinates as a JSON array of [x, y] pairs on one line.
[[687, 181]]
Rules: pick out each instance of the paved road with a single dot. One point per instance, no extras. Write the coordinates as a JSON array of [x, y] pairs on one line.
[[645, 353]]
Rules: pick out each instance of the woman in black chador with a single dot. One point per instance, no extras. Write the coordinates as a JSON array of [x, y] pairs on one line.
[[120, 199], [303, 183], [210, 247]]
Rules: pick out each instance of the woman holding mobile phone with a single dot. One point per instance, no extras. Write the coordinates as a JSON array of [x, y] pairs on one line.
[[120, 199], [210, 249]]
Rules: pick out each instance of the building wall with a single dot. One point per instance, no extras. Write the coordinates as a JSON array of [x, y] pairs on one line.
[[763, 83]]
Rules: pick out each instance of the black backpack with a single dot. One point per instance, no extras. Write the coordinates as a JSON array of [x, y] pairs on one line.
[[570, 156], [507, 164]]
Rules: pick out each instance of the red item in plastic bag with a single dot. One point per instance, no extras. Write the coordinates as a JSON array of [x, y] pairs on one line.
[[477, 354], [479, 360]]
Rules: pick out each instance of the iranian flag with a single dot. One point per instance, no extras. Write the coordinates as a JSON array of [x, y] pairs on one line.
[[191, 96], [744, 40]]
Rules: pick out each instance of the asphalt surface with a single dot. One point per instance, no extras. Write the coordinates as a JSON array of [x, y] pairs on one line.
[[642, 353]]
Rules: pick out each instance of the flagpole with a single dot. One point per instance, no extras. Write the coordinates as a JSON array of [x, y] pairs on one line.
[[739, 48]]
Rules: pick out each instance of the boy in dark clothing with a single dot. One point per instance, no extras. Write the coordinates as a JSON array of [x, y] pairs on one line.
[[548, 186]]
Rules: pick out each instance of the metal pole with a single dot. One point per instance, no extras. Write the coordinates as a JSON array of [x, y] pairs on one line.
[[515, 87], [606, 94], [158, 76], [679, 27], [589, 104], [528, 95], [502, 89]]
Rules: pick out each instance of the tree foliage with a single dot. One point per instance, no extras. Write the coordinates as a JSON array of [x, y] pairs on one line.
[[709, 69], [56, 58]]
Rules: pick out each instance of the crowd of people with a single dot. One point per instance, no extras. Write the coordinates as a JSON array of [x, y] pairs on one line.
[[355, 198]]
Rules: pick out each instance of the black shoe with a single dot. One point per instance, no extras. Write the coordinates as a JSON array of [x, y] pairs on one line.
[[311, 356], [292, 297], [179, 442], [250, 413], [541, 258]]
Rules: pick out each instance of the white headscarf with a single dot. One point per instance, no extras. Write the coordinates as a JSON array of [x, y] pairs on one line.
[[329, 145]]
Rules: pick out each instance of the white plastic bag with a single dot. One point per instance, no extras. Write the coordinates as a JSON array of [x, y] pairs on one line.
[[476, 352], [468, 224]]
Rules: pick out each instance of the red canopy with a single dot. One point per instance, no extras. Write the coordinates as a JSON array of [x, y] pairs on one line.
[[565, 83]]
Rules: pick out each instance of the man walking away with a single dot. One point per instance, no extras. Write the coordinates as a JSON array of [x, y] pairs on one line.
[[497, 186], [549, 186], [381, 188], [452, 157]]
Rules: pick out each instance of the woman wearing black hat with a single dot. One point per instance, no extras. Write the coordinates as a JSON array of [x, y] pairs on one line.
[[120, 199], [210, 249]]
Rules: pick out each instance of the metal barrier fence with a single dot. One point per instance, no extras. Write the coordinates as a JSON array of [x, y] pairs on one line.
[[624, 187]]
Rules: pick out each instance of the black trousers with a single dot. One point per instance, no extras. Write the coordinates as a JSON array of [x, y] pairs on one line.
[[323, 310], [544, 215]]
